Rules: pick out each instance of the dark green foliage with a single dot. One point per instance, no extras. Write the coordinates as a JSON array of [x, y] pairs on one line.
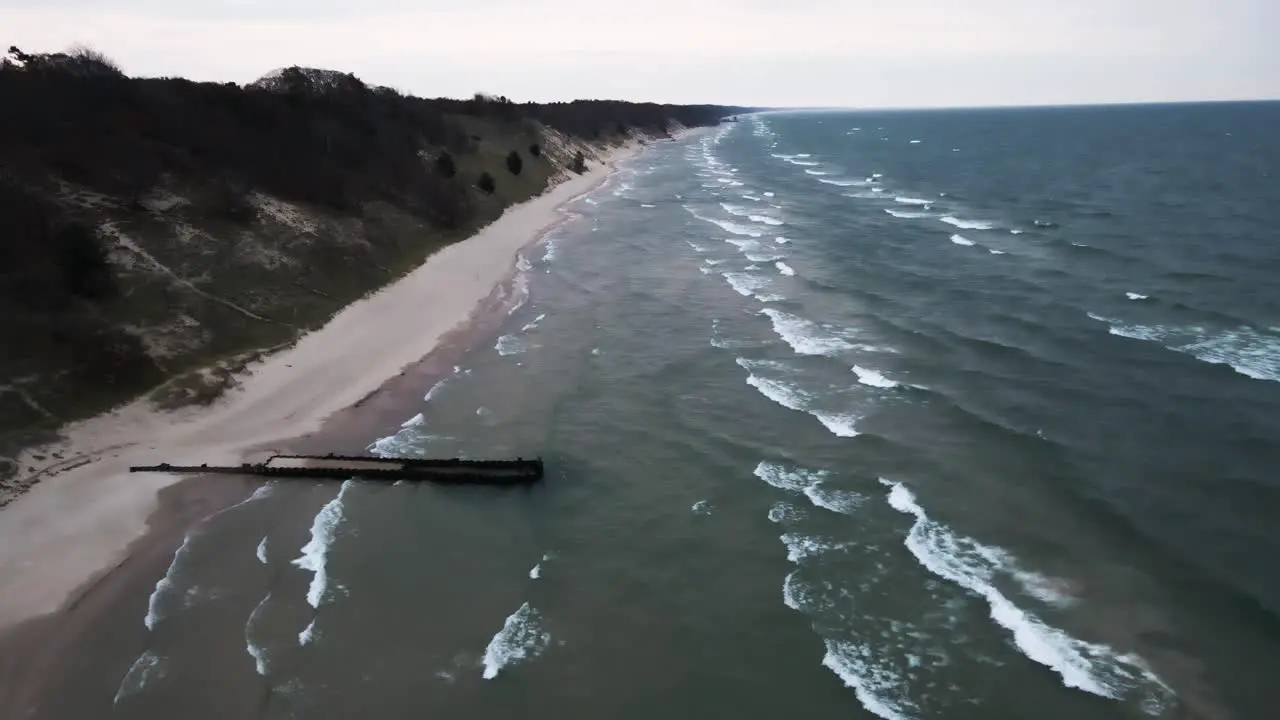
[[514, 163], [445, 165], [229, 201], [86, 273], [579, 163], [535, 150], [485, 183]]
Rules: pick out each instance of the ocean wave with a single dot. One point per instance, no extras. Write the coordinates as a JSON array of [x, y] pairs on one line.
[[908, 214], [1087, 666], [781, 240], [785, 512], [435, 389], [509, 344], [874, 687], [745, 284], [804, 163], [1136, 296], [727, 226], [961, 240], [308, 634], [804, 336], [315, 553], [967, 224], [813, 484], [843, 182], [798, 400], [816, 172], [762, 257], [995, 252], [802, 547], [414, 421], [702, 507], [912, 201], [1249, 352], [148, 668], [261, 552], [765, 220], [165, 584], [873, 378], [521, 638], [534, 323], [256, 651], [784, 268]]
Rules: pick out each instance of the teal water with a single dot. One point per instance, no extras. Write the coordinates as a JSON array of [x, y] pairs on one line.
[[964, 414]]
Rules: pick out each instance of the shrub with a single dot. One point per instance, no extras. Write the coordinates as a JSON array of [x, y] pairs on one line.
[[535, 150], [485, 183], [514, 163], [83, 262], [445, 165], [579, 163]]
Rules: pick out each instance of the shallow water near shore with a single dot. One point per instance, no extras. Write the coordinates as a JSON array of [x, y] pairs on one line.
[[905, 415]]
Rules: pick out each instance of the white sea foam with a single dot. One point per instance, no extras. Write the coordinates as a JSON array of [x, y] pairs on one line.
[[521, 638], [315, 553], [813, 484], [1135, 296], [795, 399], [435, 389], [785, 512], [308, 633], [262, 550], [534, 323], [961, 240], [911, 201], [165, 585], [765, 220], [804, 163], [647, 205], [842, 182], [256, 651], [1016, 231], [745, 284], [816, 172], [727, 226], [802, 547], [967, 224], [877, 688], [907, 214], [510, 344], [702, 507], [767, 194], [414, 421], [915, 142], [781, 240], [1091, 667], [536, 571], [762, 257], [1249, 352], [804, 336], [784, 268], [148, 668], [873, 378], [995, 252]]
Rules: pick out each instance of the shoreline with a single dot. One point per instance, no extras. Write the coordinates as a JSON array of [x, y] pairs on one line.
[[65, 534]]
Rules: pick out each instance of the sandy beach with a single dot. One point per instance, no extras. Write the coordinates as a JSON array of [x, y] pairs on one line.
[[77, 522]]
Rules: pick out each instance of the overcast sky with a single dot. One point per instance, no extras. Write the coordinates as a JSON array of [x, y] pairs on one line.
[[850, 53]]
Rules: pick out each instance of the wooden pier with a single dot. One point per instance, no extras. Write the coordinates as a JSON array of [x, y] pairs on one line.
[[341, 467]]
